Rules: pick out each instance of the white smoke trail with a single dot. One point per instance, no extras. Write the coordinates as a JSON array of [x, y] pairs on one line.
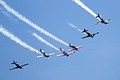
[[4, 12], [44, 41], [73, 26], [85, 7], [27, 21], [15, 39]]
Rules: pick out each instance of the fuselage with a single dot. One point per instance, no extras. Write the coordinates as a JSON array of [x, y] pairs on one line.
[[66, 54], [90, 35], [45, 55], [74, 48], [18, 66], [104, 22]]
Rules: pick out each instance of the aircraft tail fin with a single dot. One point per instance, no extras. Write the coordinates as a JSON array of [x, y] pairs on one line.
[[14, 62], [84, 30], [40, 50], [60, 49], [70, 44], [98, 16]]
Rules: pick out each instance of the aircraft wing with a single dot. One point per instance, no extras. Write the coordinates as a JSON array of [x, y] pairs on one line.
[[108, 20], [24, 65], [79, 47], [40, 56], [70, 50], [85, 37], [50, 54], [71, 53], [13, 68], [59, 55], [98, 23], [74, 49]]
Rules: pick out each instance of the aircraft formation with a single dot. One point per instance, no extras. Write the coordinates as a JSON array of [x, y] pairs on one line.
[[72, 47], [69, 52], [62, 51]]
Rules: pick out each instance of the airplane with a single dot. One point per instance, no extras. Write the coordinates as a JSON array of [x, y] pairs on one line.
[[17, 65], [74, 47], [44, 54], [88, 34], [102, 20], [63, 53]]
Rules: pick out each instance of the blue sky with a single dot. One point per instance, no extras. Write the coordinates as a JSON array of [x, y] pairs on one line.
[[97, 60]]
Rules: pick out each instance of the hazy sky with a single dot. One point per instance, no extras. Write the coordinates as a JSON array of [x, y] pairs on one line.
[[97, 60]]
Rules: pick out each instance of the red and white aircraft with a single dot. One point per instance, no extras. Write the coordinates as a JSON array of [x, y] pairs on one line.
[[64, 53], [74, 47], [17, 65]]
